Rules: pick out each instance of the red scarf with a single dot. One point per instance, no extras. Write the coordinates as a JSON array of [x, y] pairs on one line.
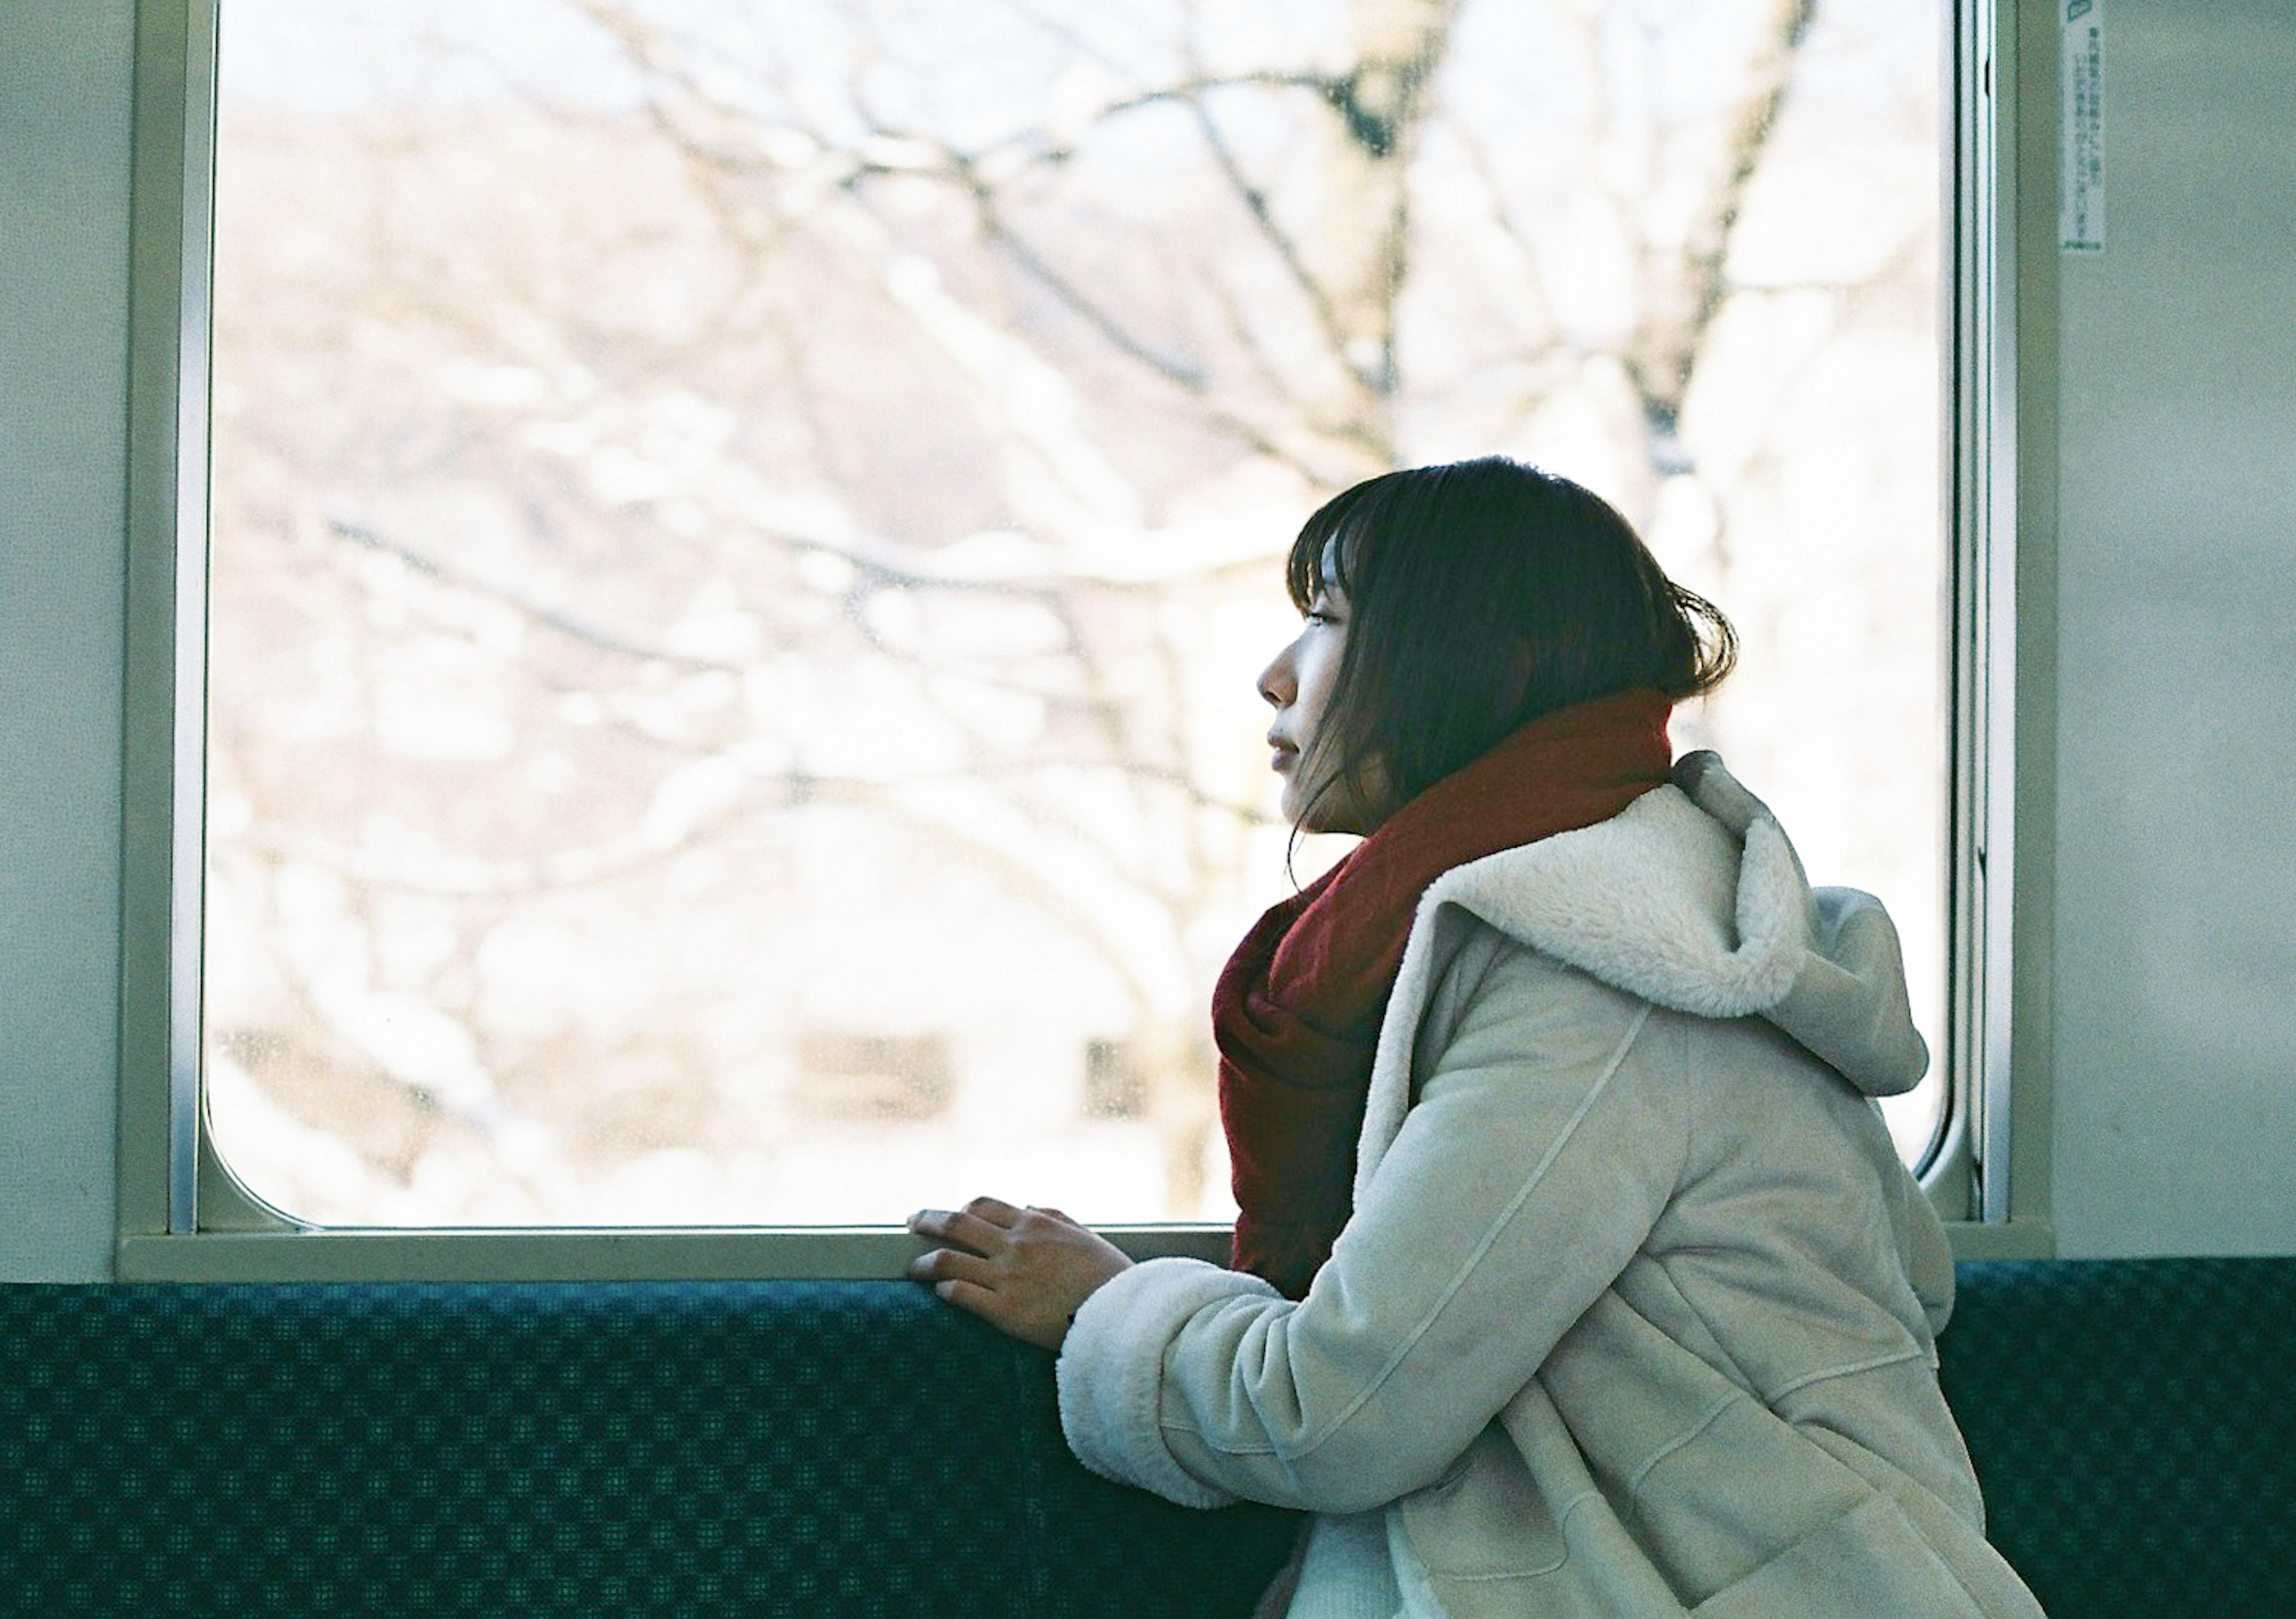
[[1297, 1010]]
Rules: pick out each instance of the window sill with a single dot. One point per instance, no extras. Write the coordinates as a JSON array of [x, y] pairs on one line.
[[820, 1252], [756, 1253]]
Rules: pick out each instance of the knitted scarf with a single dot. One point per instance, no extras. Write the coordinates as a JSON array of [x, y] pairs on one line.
[[1297, 1010]]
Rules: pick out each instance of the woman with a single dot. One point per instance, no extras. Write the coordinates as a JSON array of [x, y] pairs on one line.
[[1576, 1272]]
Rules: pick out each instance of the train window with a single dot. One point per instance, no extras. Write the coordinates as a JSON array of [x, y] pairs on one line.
[[740, 541]]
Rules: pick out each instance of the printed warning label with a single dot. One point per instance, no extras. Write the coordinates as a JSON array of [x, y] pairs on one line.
[[2080, 130]]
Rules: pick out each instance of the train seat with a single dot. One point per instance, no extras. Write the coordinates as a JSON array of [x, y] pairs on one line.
[[828, 1449]]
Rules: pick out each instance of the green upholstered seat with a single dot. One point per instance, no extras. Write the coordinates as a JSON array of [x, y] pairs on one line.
[[825, 1448], [2133, 1425], [815, 1449]]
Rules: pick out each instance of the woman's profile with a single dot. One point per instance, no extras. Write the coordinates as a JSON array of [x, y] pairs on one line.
[[1576, 1272]]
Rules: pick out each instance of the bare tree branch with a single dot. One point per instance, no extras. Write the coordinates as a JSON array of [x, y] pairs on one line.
[[565, 623], [1263, 216], [1685, 289]]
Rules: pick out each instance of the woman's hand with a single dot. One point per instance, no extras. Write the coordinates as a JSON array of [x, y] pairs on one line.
[[1024, 1271]]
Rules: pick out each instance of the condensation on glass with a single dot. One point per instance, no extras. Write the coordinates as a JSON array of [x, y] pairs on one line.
[[743, 536]]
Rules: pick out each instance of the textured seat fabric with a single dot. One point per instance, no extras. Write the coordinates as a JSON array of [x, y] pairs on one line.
[[2134, 1425], [855, 1448], [815, 1449]]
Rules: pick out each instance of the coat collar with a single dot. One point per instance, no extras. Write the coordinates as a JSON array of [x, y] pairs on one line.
[[1690, 898]]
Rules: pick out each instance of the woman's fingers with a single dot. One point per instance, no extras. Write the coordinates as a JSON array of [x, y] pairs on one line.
[[995, 1211], [962, 1227], [949, 1264], [969, 1296]]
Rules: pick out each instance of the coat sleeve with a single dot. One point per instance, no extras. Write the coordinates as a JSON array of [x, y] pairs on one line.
[[1543, 1149]]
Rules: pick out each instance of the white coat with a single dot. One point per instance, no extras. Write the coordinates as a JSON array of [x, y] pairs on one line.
[[1635, 1314]]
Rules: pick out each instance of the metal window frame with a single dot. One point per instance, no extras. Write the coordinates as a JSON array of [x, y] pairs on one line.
[[1992, 1168], [183, 1216]]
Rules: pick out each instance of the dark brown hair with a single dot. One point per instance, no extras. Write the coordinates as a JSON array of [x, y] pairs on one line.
[[1479, 596]]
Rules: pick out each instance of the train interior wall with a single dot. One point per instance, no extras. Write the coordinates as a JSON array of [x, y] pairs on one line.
[[2171, 971], [2175, 916]]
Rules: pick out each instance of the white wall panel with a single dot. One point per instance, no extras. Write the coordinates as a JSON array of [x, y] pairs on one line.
[[64, 95], [2176, 905]]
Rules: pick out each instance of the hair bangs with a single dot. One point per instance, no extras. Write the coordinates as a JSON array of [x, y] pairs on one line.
[[1329, 546]]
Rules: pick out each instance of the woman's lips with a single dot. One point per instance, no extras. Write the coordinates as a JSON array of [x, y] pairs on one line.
[[1284, 753]]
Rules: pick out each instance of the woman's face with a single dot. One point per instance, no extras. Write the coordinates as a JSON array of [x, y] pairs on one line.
[[1298, 684]]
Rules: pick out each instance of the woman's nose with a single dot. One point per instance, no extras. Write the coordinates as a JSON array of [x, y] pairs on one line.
[[1278, 685]]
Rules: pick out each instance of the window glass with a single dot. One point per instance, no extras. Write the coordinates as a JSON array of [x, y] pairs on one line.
[[743, 537]]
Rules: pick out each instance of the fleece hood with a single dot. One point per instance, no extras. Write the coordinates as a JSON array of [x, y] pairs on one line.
[[1693, 898]]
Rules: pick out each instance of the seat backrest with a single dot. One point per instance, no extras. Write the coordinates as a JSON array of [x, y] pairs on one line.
[[2132, 1423], [801, 1448]]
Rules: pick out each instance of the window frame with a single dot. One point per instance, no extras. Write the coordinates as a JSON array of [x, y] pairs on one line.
[[183, 1216]]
